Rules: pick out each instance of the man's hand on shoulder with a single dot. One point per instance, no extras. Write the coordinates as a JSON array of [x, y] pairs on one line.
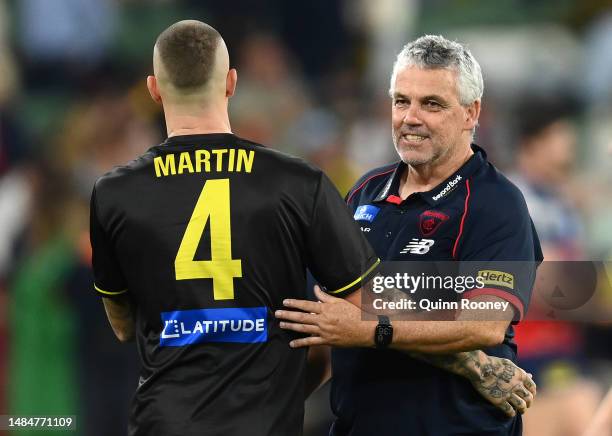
[[330, 321], [337, 322]]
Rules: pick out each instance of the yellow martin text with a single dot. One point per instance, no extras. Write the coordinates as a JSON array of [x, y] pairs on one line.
[[218, 160]]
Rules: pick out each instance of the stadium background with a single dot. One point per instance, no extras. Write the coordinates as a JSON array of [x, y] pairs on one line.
[[313, 80]]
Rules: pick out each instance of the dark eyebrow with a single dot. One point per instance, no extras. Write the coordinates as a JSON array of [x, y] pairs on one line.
[[436, 98]]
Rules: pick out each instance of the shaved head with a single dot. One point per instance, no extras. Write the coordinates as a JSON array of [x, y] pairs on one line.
[[190, 58], [192, 79]]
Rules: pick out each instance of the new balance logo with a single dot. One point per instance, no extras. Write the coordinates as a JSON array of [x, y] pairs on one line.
[[418, 246]]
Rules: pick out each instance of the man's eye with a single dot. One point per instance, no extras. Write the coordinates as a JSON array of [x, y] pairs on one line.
[[399, 102], [432, 104]]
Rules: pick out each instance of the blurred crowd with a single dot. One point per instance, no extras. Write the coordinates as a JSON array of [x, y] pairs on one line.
[[312, 81]]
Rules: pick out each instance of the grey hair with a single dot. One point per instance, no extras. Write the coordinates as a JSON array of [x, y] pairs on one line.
[[434, 51]]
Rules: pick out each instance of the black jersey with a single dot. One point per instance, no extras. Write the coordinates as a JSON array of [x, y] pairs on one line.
[[207, 234]]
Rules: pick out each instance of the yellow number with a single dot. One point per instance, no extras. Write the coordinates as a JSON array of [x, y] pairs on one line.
[[214, 203]]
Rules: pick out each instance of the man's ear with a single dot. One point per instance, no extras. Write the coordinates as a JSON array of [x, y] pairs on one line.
[[230, 82], [472, 113], [153, 90]]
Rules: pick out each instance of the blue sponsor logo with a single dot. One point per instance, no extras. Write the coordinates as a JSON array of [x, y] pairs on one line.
[[236, 324], [366, 213]]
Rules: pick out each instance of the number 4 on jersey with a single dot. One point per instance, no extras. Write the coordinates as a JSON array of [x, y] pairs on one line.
[[213, 205]]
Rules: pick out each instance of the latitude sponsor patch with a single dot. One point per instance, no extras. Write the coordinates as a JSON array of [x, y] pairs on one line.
[[236, 324]]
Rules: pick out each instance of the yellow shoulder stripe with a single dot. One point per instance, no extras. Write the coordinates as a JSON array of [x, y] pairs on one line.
[[109, 292], [357, 280]]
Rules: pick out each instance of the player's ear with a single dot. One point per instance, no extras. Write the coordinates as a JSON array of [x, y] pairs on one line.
[[230, 82], [153, 89], [472, 113]]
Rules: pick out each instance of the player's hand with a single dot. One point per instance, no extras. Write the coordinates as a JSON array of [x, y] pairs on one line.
[[330, 321], [505, 385]]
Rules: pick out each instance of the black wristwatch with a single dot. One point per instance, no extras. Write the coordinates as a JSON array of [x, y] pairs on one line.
[[383, 335]]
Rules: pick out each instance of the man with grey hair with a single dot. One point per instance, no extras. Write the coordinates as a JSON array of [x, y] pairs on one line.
[[433, 51], [441, 202]]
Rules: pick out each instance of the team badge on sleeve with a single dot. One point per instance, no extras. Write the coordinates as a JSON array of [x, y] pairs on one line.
[[366, 213]]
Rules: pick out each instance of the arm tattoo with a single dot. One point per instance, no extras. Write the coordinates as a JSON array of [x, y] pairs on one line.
[[463, 364], [492, 377]]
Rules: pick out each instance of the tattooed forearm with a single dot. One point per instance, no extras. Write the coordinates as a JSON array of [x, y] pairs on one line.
[[466, 364], [498, 380]]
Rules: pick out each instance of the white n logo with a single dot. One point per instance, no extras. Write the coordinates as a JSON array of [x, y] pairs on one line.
[[418, 246]]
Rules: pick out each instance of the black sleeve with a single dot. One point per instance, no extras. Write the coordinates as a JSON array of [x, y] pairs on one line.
[[501, 246], [108, 279], [339, 256]]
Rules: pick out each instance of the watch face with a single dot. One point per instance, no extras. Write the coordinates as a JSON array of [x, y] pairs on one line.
[[384, 335], [386, 330]]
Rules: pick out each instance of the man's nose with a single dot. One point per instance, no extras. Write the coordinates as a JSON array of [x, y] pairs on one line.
[[412, 116]]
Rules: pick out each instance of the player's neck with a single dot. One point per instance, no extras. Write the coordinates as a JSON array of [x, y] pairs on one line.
[[422, 178], [197, 123]]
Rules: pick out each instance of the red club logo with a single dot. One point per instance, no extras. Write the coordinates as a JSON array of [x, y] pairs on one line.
[[430, 220]]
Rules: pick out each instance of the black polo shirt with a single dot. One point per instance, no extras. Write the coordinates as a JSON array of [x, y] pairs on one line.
[[476, 214]]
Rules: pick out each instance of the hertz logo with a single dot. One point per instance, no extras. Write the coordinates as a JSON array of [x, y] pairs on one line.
[[498, 278]]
